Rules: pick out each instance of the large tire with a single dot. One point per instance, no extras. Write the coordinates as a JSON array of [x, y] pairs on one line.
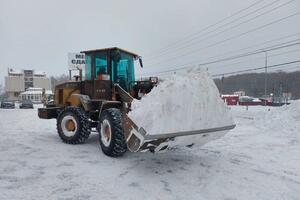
[[111, 137], [73, 125]]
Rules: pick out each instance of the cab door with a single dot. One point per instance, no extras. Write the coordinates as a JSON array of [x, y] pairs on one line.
[[98, 78], [123, 71]]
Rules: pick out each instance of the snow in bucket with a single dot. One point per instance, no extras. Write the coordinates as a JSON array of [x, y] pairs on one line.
[[181, 102]]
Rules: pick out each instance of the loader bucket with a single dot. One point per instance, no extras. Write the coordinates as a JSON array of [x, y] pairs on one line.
[[183, 109], [139, 140]]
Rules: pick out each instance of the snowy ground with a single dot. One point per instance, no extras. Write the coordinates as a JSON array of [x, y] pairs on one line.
[[259, 159]]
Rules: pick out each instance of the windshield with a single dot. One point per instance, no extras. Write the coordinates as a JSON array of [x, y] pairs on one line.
[[7, 102], [123, 71], [26, 101]]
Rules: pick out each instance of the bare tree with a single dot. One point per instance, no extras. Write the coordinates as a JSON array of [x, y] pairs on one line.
[[2, 92], [1, 89], [58, 79], [253, 83]]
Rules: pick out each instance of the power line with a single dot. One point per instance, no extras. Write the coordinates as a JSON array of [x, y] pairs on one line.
[[259, 44], [270, 48], [233, 37], [272, 55], [226, 24], [237, 25], [287, 68], [218, 22], [245, 48], [254, 69]]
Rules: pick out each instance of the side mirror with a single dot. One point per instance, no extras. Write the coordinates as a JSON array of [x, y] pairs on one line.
[[141, 61]]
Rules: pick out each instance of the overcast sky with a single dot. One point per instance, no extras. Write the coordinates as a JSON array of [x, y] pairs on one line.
[[36, 34]]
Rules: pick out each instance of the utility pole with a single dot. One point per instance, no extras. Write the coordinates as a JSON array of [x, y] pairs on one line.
[[70, 74], [266, 72], [222, 82]]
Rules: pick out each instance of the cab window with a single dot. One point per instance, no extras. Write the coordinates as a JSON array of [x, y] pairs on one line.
[[123, 71], [101, 70]]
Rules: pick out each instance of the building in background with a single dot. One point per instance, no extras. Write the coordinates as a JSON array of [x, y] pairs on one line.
[[240, 93], [35, 94], [230, 99], [18, 81]]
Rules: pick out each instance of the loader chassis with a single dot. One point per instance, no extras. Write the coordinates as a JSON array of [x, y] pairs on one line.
[[99, 101]]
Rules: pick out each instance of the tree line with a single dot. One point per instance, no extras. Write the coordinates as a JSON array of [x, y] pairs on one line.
[[55, 80], [254, 83]]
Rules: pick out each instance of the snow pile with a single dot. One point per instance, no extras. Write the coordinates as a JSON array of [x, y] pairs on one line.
[[293, 110], [284, 118], [190, 101]]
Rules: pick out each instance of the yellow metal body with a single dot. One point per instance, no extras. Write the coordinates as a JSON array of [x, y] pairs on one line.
[[63, 95], [73, 100]]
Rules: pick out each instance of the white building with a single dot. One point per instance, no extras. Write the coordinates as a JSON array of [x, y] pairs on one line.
[[35, 94], [18, 81], [240, 93]]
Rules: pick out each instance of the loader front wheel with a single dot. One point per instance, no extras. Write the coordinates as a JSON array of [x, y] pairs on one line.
[[73, 125], [111, 137]]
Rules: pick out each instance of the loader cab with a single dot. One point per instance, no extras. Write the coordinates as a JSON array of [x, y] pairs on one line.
[[106, 67]]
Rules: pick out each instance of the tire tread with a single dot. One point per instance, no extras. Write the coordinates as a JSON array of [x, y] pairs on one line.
[[84, 126]]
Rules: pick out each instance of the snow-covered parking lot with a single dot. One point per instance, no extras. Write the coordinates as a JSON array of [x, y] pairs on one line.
[[259, 159]]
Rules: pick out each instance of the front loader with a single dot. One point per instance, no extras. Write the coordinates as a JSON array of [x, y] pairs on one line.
[[102, 100]]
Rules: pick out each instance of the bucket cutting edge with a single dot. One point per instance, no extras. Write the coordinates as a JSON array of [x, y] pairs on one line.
[[139, 140]]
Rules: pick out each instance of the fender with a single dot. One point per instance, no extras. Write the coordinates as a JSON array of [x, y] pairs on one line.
[[80, 99]]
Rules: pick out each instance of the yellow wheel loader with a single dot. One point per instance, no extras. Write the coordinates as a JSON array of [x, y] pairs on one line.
[[102, 100]]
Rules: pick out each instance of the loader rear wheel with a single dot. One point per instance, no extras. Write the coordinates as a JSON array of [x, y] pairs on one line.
[[111, 137], [73, 125]]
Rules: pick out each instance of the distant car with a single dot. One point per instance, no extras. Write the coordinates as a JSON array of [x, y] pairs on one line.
[[26, 104], [7, 104]]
